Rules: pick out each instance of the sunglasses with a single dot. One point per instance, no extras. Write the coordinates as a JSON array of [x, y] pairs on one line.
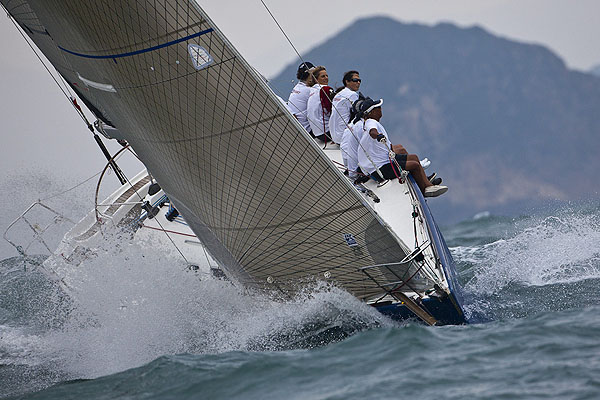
[[355, 80]]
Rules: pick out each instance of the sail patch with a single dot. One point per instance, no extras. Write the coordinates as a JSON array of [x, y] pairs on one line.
[[200, 57], [350, 240], [97, 85]]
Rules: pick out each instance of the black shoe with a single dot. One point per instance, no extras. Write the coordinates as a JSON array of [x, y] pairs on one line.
[[432, 176], [436, 181], [362, 179]]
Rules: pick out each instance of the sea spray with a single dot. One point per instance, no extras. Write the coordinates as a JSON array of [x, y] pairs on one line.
[[137, 309], [550, 262], [558, 250], [132, 301]]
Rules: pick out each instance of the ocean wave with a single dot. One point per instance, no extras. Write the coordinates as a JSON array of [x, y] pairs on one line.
[[556, 250], [541, 263], [133, 302]]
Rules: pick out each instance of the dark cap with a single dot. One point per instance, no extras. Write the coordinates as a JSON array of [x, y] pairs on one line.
[[369, 104], [355, 110], [303, 68]]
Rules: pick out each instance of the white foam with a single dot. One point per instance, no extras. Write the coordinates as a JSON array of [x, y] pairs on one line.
[[20, 348], [481, 215], [136, 302], [556, 250]]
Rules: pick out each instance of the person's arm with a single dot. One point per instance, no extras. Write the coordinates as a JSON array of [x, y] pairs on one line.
[[374, 133]]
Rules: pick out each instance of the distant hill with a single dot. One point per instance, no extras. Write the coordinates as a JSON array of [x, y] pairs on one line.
[[595, 70], [506, 124]]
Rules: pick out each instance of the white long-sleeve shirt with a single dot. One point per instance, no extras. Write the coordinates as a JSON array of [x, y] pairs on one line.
[[297, 103], [350, 144], [318, 120], [340, 113]]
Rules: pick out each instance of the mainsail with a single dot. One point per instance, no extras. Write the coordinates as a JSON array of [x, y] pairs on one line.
[[253, 186]]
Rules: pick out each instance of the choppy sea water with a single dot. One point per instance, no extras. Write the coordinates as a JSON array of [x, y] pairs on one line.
[[142, 326]]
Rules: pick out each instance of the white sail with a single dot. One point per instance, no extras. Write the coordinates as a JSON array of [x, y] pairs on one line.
[[265, 200]]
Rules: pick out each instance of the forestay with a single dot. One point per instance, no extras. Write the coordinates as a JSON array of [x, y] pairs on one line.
[[254, 187]]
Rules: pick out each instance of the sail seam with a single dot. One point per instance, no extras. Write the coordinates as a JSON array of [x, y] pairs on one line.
[[194, 139], [330, 214], [133, 53]]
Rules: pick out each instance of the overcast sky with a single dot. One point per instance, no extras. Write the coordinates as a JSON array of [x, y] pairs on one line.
[[569, 28], [40, 130]]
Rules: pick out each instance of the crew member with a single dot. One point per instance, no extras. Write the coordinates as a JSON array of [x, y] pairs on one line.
[[374, 152], [298, 99], [341, 105], [319, 104]]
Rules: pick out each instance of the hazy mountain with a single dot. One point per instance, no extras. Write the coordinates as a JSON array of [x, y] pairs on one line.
[[595, 70], [506, 124]]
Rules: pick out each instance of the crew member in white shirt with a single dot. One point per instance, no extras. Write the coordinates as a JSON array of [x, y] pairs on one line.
[[342, 103], [298, 99], [351, 140], [319, 104], [373, 152]]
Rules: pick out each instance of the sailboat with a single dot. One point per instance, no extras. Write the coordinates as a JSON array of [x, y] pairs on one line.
[[268, 204]]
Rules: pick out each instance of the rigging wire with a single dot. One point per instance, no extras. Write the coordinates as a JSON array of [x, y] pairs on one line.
[[72, 188], [282, 31], [66, 92]]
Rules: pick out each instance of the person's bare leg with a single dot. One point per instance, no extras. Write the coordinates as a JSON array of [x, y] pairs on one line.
[[399, 149], [418, 173]]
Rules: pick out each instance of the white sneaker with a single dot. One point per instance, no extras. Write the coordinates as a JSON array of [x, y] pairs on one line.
[[425, 163], [435, 190]]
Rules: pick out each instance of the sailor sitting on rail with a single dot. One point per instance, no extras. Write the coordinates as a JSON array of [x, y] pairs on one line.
[[318, 108], [298, 99], [351, 140], [374, 152], [341, 105]]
